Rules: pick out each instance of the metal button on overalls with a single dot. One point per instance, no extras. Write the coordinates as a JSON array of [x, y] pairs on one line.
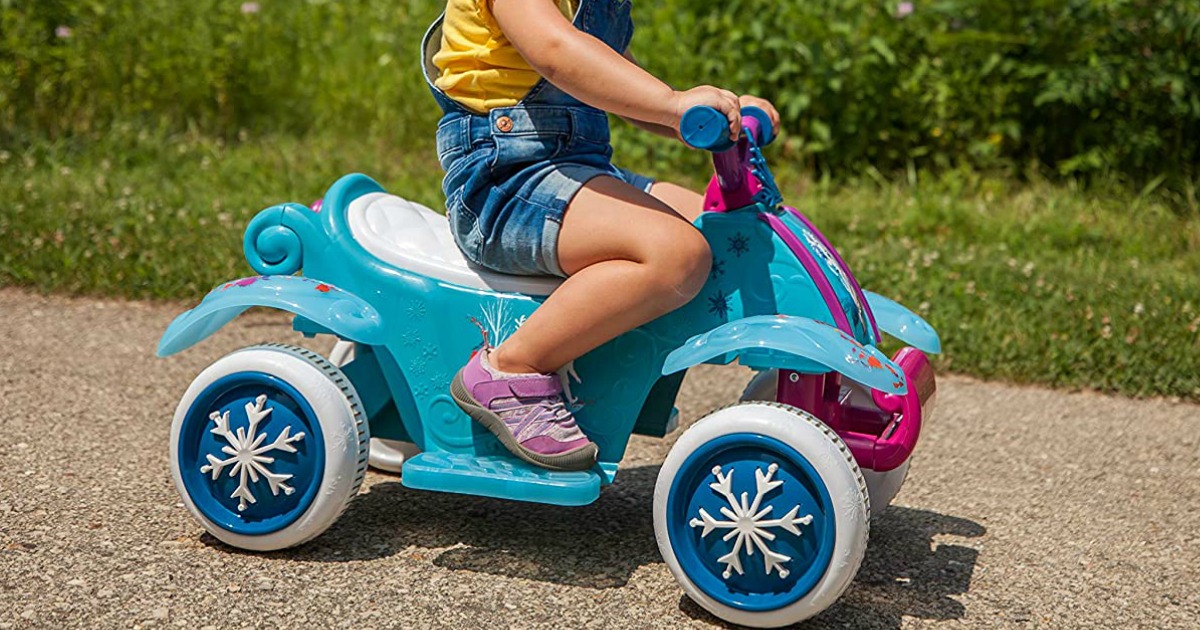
[[504, 124]]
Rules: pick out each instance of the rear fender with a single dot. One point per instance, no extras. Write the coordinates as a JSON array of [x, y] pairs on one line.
[[896, 320], [791, 343], [342, 313]]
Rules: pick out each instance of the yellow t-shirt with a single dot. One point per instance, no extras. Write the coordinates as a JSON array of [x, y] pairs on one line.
[[477, 65]]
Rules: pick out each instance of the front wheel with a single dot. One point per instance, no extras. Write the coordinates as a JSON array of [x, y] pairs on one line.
[[761, 514], [268, 446], [882, 486]]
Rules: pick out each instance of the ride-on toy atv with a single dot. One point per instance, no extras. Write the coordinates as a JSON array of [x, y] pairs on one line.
[[761, 509]]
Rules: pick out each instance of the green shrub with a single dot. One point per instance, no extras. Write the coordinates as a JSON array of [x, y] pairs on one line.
[[1082, 86], [218, 66]]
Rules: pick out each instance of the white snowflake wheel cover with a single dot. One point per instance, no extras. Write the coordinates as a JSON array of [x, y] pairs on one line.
[[248, 459], [748, 524], [841, 476]]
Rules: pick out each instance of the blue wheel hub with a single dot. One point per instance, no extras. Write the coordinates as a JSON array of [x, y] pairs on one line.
[[251, 453], [751, 522]]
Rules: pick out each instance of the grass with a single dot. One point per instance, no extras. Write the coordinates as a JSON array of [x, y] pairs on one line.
[[1039, 282]]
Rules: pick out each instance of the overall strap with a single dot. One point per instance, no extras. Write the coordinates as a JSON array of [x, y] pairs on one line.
[[606, 20]]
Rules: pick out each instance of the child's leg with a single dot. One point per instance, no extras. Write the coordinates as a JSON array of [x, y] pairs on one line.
[[688, 203], [631, 258]]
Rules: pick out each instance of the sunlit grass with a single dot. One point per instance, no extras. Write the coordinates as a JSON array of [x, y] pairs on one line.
[[1034, 283]]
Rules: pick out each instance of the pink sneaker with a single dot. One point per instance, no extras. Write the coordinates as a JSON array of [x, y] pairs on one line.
[[526, 412]]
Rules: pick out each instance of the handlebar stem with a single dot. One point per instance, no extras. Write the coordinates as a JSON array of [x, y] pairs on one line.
[[734, 184], [731, 166], [737, 180]]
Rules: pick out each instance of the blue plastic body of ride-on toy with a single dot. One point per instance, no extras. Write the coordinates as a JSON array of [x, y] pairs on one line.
[[270, 443]]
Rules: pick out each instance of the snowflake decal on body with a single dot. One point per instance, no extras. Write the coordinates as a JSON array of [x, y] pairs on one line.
[[739, 244], [717, 270], [416, 310], [247, 457], [411, 339], [718, 304], [749, 525]]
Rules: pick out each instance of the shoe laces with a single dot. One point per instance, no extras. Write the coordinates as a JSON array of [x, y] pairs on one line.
[[556, 410]]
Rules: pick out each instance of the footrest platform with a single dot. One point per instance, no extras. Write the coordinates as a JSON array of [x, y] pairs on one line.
[[500, 477]]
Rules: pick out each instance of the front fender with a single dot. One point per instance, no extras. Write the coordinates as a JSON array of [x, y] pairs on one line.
[[903, 324], [782, 341], [347, 315]]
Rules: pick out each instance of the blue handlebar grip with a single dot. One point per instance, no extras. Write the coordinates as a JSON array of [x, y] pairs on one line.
[[704, 127], [764, 124]]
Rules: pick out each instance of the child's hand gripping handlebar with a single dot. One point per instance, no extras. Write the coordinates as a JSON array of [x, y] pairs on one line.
[[707, 128]]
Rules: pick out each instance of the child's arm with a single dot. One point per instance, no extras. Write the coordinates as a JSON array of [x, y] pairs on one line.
[[654, 128], [589, 70], [743, 101]]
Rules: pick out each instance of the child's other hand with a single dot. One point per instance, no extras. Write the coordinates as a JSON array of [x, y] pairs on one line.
[[723, 101], [746, 100]]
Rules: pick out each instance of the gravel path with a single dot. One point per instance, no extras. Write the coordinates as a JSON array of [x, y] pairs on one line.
[[1026, 508]]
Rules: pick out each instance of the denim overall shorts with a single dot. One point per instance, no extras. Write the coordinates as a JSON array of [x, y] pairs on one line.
[[511, 173]]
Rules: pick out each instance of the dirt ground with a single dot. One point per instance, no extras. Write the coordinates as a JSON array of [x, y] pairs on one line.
[[1026, 508]]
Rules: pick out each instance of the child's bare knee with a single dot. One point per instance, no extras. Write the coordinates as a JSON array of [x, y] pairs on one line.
[[684, 268]]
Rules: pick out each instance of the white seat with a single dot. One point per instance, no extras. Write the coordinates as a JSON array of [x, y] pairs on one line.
[[417, 239]]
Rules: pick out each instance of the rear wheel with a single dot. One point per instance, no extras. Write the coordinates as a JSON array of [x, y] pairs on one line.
[[385, 455], [268, 447]]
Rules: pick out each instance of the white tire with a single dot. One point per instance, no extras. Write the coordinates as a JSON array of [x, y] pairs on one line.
[[763, 386], [386, 455], [314, 462], [883, 486], [755, 445]]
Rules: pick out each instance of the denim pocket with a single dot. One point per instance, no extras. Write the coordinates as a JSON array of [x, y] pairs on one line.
[[522, 149], [454, 177], [448, 157], [464, 225], [450, 139]]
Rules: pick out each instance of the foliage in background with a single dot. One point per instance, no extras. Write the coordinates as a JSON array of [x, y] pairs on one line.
[[137, 138], [1082, 86], [70, 67]]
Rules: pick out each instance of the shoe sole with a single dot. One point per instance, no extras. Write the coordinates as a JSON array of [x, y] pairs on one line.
[[581, 458]]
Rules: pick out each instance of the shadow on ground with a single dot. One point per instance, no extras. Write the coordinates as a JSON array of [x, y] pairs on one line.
[[595, 546], [905, 574], [600, 546]]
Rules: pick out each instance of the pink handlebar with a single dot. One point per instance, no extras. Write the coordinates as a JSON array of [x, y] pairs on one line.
[[732, 164]]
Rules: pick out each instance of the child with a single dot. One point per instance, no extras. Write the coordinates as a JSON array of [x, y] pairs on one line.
[[530, 189]]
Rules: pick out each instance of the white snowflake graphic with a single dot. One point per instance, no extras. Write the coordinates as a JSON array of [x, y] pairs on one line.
[[567, 374], [748, 524], [498, 322], [248, 459]]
